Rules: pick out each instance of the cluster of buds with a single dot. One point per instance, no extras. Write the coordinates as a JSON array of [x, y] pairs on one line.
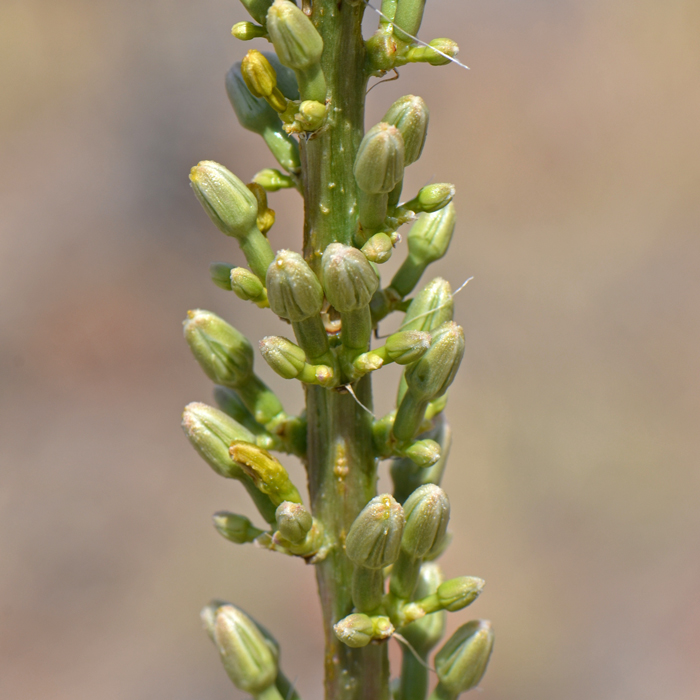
[[333, 301]]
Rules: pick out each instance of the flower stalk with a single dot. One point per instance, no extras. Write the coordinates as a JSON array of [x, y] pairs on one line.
[[373, 553]]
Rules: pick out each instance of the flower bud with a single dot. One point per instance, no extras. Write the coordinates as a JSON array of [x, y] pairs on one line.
[[429, 54], [257, 9], [211, 432], [380, 159], [247, 286], [462, 661], [293, 521], [430, 377], [311, 115], [378, 248], [236, 528], [259, 75], [358, 630], [245, 31], [407, 347], [223, 353], [381, 51], [430, 308], [348, 277], [286, 358], [374, 539], [268, 475], [297, 42], [431, 198], [273, 180], [227, 201], [427, 512], [293, 289], [221, 274], [410, 116], [457, 593], [424, 453], [244, 651], [430, 236]]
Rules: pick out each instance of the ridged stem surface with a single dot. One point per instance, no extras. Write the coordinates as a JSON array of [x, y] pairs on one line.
[[341, 463]]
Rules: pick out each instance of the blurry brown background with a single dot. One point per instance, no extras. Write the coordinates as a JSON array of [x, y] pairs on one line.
[[575, 145]]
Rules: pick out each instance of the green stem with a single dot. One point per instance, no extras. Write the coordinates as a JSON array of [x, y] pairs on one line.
[[341, 463], [414, 677], [270, 693]]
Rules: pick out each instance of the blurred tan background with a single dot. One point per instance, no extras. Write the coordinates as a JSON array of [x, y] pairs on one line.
[[575, 145]]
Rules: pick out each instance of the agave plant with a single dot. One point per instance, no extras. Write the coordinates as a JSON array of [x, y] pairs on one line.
[[373, 553]]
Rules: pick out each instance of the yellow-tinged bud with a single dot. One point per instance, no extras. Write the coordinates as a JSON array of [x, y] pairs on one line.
[[378, 248], [311, 115], [268, 475], [273, 180], [259, 75], [374, 539], [358, 630], [245, 31]]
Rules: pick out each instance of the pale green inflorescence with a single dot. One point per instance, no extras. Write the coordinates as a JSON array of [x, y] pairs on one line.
[[374, 554]]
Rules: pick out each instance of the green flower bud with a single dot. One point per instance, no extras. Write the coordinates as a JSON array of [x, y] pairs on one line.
[[380, 159], [358, 630], [297, 42], [244, 651], [299, 46], [348, 277], [273, 180], [293, 289], [381, 52], [211, 432], [462, 661], [378, 248], [374, 539], [257, 9], [221, 274], [410, 116], [247, 286], [293, 521], [457, 593], [430, 308], [430, 377], [236, 528], [427, 512], [431, 198], [429, 54], [409, 15], [430, 236], [268, 475], [286, 358], [407, 347], [223, 353], [289, 361], [227, 201], [245, 31], [424, 453]]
